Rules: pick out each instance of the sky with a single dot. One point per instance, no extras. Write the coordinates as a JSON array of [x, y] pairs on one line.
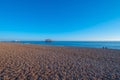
[[71, 20]]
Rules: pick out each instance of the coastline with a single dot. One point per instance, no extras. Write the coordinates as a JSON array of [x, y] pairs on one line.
[[84, 44], [29, 61]]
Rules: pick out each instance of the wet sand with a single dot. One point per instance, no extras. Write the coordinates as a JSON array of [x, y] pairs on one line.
[[37, 62]]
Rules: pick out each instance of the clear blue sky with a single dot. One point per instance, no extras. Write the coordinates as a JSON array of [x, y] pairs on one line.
[[60, 19]]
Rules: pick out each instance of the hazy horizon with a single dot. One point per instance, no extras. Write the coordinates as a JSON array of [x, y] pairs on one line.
[[61, 20]]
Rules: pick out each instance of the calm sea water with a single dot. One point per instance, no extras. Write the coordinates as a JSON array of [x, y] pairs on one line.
[[90, 44]]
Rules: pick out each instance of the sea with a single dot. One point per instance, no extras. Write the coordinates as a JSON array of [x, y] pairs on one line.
[[88, 44]]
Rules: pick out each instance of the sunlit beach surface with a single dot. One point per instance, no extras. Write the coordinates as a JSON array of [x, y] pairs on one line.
[[38, 62]]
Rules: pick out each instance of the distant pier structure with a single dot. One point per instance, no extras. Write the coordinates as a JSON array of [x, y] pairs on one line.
[[48, 40]]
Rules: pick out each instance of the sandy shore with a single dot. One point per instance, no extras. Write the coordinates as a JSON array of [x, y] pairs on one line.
[[35, 62]]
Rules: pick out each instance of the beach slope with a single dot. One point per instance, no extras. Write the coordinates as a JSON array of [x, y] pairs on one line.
[[37, 62]]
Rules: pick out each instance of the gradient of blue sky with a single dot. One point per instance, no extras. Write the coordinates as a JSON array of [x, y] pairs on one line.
[[60, 19]]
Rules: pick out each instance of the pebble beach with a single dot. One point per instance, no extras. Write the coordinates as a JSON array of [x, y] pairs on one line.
[[38, 62]]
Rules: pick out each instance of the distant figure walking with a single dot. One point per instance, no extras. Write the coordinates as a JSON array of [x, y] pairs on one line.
[[104, 47]]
